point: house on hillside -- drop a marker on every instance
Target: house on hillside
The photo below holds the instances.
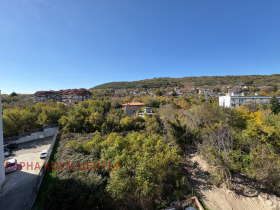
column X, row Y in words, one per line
column 205, row 91
column 236, row 91
column 178, row 95
column 176, row 92
column 130, row 109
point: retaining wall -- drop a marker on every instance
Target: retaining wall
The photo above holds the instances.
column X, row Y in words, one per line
column 37, row 135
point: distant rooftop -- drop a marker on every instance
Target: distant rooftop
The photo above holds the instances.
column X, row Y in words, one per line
column 134, row 104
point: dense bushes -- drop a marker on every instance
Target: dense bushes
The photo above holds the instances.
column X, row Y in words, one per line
column 238, row 141
column 19, row 120
column 149, row 173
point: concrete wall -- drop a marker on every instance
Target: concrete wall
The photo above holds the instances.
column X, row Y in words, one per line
column 2, row 158
column 38, row 135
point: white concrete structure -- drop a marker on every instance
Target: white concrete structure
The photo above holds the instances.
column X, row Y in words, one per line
column 235, row 101
column 147, row 110
column 47, row 132
column 2, row 158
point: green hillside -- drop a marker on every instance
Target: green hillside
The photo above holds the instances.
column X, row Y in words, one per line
column 252, row 80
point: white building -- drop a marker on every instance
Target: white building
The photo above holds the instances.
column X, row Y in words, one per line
column 2, row 158
column 235, row 101
column 147, row 110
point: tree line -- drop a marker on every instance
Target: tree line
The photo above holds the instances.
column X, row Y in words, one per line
column 211, row 81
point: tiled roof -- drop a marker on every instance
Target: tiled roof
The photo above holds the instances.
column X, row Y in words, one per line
column 134, row 104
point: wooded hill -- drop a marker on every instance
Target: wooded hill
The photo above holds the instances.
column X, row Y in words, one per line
column 163, row 82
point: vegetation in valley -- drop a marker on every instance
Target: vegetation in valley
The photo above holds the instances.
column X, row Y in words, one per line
column 150, row 149
column 146, row 173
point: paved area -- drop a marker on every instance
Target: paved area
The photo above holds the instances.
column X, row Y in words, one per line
column 19, row 184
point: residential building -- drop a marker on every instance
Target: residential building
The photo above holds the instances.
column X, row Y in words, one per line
column 205, row 91
column 215, row 95
column 74, row 95
column 235, row 101
column 66, row 96
column 147, row 110
column 177, row 92
column 42, row 96
column 236, row 91
column 178, row 95
column 130, row 109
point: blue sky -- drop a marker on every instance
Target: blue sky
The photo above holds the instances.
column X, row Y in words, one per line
column 59, row 44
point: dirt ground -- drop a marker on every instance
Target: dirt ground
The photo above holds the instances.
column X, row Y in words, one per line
column 243, row 196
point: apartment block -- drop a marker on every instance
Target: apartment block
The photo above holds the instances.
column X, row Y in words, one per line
column 66, row 96
column 235, row 101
